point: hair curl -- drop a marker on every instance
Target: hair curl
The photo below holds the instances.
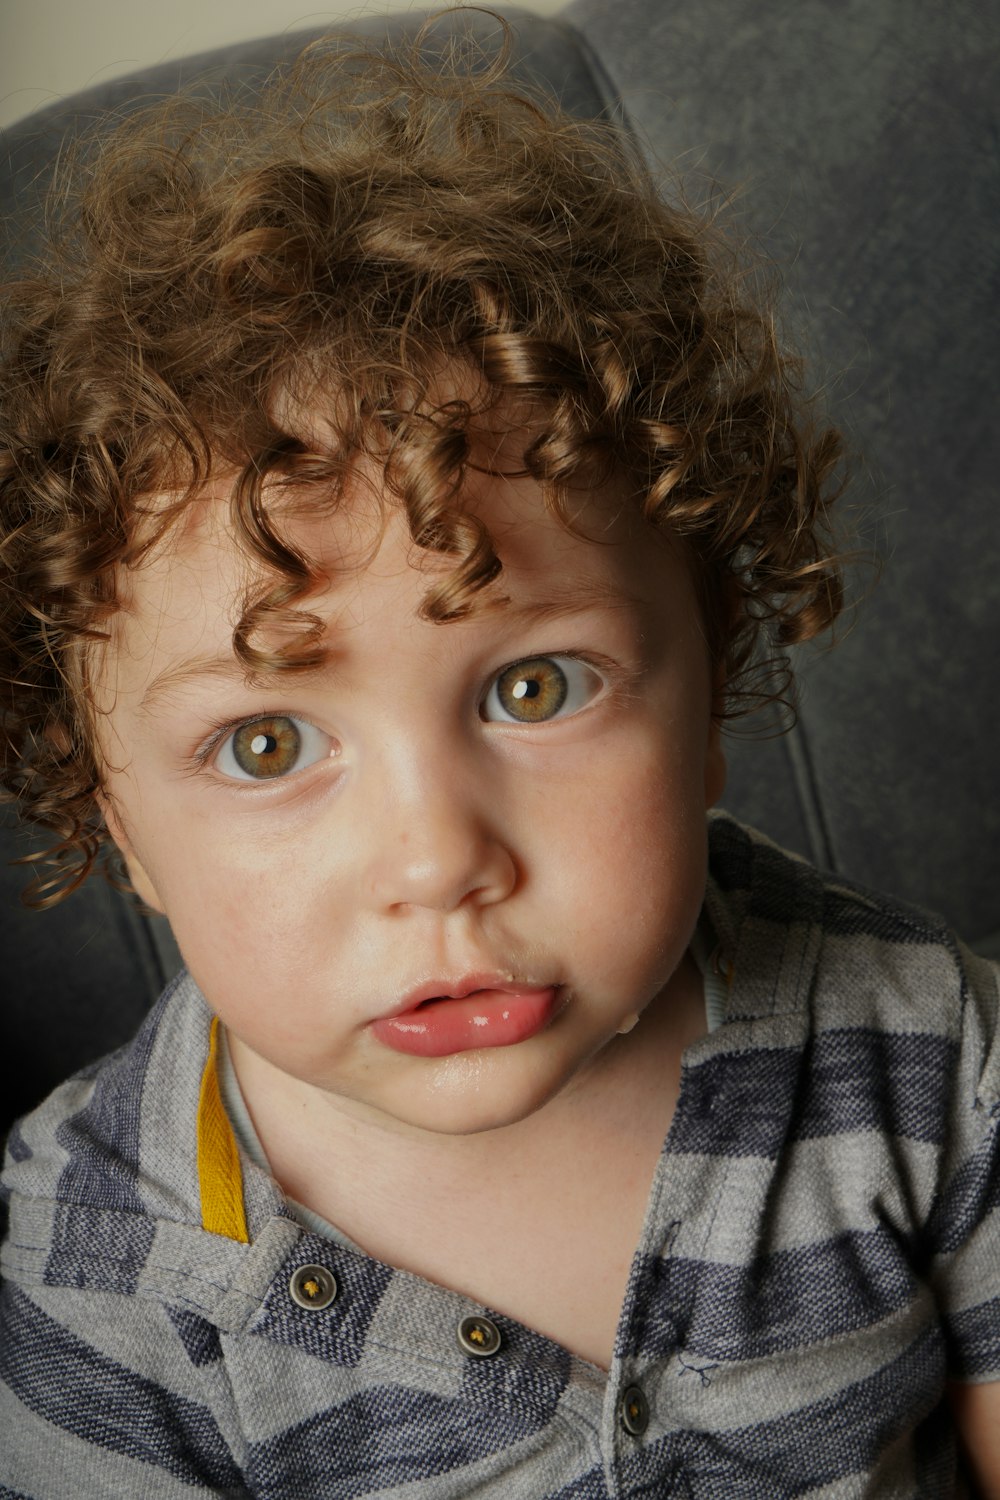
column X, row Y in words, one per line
column 366, row 222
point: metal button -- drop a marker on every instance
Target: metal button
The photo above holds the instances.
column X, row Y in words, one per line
column 313, row 1287
column 634, row 1411
column 479, row 1336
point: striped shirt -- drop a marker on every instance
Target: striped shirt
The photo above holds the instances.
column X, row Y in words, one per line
column 821, row 1253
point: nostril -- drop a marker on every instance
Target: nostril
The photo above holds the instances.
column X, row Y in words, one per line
column 450, row 866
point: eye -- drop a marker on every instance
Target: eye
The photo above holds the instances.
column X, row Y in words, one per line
column 539, row 688
column 273, row 746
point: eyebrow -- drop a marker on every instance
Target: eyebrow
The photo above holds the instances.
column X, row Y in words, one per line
column 596, row 595
column 196, row 669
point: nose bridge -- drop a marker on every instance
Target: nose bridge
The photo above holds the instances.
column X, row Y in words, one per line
column 434, row 840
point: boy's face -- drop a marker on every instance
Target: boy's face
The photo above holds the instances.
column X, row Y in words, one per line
column 418, row 819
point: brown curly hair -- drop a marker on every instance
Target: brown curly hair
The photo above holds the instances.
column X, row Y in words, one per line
column 365, row 222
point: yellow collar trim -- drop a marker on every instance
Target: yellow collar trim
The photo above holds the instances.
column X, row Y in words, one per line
column 220, row 1175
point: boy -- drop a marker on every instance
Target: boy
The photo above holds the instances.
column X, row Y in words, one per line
column 396, row 500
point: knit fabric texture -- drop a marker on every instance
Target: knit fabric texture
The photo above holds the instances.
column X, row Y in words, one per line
column 820, row 1255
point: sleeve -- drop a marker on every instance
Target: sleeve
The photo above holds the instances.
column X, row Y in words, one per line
column 964, row 1222
column 77, row 1419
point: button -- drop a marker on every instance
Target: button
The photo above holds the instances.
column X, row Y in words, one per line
column 634, row 1411
column 313, row 1287
column 479, row 1336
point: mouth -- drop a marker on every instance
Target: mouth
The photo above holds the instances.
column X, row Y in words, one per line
column 477, row 1011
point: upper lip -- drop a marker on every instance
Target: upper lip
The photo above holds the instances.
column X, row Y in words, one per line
column 459, row 989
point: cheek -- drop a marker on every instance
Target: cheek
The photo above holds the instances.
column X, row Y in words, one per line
column 662, row 840
column 251, row 958
column 238, row 914
column 637, row 850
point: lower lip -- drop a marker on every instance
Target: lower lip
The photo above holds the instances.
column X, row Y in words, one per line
column 487, row 1018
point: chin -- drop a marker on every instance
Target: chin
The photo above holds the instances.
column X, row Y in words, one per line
column 467, row 1098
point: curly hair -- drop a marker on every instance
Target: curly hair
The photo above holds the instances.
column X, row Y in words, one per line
column 365, row 222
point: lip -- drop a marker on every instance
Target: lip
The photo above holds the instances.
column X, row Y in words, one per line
column 461, row 988
column 443, row 1017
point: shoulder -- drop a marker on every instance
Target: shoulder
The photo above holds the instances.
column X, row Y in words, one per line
column 111, row 1287
column 870, row 961
column 894, row 1022
column 871, row 1033
column 100, row 1140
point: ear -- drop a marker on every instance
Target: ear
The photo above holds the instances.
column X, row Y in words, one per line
column 141, row 881
column 715, row 764
column 715, row 755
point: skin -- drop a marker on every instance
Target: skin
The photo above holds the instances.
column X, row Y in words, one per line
column 423, row 838
column 976, row 1409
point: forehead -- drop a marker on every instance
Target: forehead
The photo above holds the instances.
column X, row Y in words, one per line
column 183, row 604
column 363, row 537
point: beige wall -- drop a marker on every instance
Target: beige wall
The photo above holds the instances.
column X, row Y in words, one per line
column 49, row 48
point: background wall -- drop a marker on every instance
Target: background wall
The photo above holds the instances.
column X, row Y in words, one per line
column 49, row 48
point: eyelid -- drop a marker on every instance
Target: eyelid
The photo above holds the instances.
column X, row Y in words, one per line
column 577, row 697
column 216, row 735
column 210, row 744
column 209, row 751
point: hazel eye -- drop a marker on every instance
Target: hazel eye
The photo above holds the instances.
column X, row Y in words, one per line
column 539, row 688
column 266, row 748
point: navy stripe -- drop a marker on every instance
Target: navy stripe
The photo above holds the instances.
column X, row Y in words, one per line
column 737, row 1104
column 786, row 1300
column 816, row 1445
column 783, row 890
column 974, row 1340
column 657, row 1480
column 6, row 1494
column 98, row 1250
column 200, row 1338
column 71, row 1385
column 773, row 886
column 731, row 854
column 17, row 1145
column 338, row 1332
column 753, row 1103
column 383, row 1437
column 589, row 1486
column 852, row 911
column 528, row 1377
column 971, row 1196
column 895, row 1083
column 103, row 1138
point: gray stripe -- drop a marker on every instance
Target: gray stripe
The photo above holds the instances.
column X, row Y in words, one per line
column 98, row 1250
column 969, row 1198
column 816, row 1444
column 780, row 1301
column 70, row 1385
column 383, row 1438
column 98, row 1173
column 974, row 1340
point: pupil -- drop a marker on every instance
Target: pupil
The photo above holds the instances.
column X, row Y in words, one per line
column 533, row 690
column 267, row 748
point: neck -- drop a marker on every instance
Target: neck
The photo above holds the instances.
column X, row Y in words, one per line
column 627, row 1090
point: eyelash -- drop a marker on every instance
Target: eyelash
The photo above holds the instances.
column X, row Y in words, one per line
column 522, row 673
column 210, row 748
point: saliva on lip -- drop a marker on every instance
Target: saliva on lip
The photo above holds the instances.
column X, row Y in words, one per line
column 485, row 1017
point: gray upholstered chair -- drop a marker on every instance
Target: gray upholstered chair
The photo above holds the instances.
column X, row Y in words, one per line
column 860, row 144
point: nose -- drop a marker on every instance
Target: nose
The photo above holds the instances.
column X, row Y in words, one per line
column 436, row 846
